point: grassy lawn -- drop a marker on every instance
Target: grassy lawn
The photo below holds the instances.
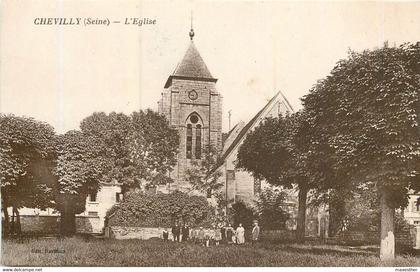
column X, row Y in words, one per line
column 103, row 252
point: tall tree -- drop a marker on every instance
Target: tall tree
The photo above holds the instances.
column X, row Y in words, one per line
column 277, row 152
column 26, row 147
column 153, row 147
column 140, row 149
column 79, row 170
column 366, row 112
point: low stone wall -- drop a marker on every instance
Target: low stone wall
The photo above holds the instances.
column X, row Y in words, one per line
column 121, row 233
column 415, row 234
column 273, row 235
column 407, row 238
column 144, row 233
column 40, row 224
column 88, row 225
column 50, row 224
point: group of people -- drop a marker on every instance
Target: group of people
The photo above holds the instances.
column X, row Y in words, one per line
column 224, row 234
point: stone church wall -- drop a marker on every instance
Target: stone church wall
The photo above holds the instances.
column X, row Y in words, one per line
column 177, row 107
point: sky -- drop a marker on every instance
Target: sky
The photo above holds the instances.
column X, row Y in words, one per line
column 62, row 74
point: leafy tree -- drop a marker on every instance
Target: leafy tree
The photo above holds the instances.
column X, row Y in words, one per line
column 140, row 149
column 361, row 211
column 203, row 174
column 366, row 114
column 79, row 170
column 26, row 147
column 277, row 152
column 270, row 210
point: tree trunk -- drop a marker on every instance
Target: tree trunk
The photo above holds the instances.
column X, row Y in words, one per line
column 387, row 251
column 336, row 216
column 301, row 219
column 12, row 224
column 68, row 220
column 18, row 226
column 6, row 218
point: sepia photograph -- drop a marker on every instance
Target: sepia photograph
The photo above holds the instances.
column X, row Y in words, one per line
column 157, row 133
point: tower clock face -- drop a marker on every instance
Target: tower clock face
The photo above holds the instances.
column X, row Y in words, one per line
column 193, row 95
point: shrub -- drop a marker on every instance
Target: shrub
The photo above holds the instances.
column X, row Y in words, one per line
column 271, row 214
column 160, row 210
column 241, row 213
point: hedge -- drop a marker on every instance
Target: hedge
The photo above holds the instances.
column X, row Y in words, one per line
column 160, row 210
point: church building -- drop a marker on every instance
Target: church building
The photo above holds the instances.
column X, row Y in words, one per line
column 192, row 105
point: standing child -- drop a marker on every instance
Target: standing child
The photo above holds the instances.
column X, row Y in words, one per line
column 165, row 235
column 201, row 236
column 255, row 232
column 217, row 236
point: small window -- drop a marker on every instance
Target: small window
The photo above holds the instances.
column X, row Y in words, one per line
column 92, row 197
column 230, row 175
column 118, row 197
column 93, row 213
column 194, row 119
column 417, row 222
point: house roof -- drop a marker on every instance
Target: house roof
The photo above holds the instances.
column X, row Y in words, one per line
column 227, row 135
column 250, row 124
column 192, row 66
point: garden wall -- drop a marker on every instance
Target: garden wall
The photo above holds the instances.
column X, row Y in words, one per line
column 50, row 225
column 409, row 237
column 273, row 235
column 143, row 233
column 39, row 224
column 416, row 234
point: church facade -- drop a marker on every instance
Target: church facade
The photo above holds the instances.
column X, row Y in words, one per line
column 192, row 105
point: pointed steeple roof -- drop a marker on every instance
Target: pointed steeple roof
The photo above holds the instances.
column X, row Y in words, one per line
column 192, row 66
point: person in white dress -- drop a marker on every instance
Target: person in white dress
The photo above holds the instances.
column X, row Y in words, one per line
column 240, row 235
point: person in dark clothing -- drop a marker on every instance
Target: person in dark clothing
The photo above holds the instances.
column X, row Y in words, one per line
column 229, row 234
column 223, row 232
column 175, row 232
column 185, row 233
column 165, row 235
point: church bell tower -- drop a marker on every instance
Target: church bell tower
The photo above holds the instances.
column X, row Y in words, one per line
column 193, row 106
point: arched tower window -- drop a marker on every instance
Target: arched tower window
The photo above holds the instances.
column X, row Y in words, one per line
column 194, row 136
column 189, row 141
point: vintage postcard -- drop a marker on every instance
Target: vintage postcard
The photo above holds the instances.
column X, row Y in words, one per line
column 141, row 133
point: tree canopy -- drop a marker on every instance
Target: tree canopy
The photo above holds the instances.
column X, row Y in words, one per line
column 365, row 114
column 277, row 151
column 140, row 149
column 26, row 147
